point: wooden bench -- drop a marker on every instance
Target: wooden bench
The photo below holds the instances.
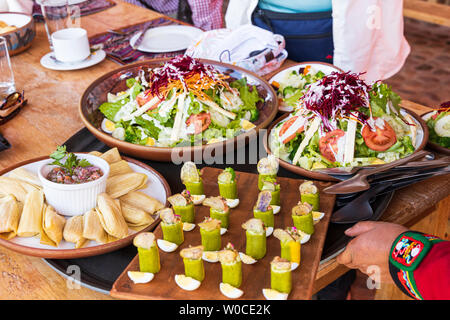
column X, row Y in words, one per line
column 427, row 11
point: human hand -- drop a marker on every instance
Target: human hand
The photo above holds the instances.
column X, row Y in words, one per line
column 370, row 247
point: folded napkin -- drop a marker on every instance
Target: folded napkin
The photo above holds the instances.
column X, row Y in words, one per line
column 24, row 6
column 247, row 46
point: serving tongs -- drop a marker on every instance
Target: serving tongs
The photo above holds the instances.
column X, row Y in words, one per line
column 360, row 209
column 359, row 182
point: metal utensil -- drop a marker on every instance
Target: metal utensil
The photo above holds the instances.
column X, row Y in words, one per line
column 138, row 41
column 358, row 209
column 359, row 181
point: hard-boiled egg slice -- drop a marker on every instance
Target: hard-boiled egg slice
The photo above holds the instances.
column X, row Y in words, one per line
column 229, row 291
column 140, row 277
column 108, row 126
column 197, row 198
column 269, row 231
column 294, row 265
column 188, row 226
column 187, row 283
column 232, row 203
column 317, row 216
column 150, row 142
column 276, row 209
column 247, row 259
column 305, row 237
column 167, row 246
column 271, row 294
column 211, row 256
column 247, row 125
column 223, row 231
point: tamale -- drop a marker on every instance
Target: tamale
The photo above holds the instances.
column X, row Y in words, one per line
column 73, row 231
column 120, row 185
column 142, row 201
column 9, row 217
column 118, row 168
column 27, row 176
column 92, row 228
column 111, row 156
column 95, row 153
column 111, row 217
column 31, row 219
column 135, row 216
column 52, row 227
column 12, row 186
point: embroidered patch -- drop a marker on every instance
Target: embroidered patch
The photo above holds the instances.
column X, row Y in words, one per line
column 405, row 280
column 407, row 250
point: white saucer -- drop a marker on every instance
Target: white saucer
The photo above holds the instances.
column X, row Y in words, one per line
column 49, row 62
column 167, row 38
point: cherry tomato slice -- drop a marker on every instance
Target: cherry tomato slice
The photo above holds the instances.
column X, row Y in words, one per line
column 381, row 139
column 286, row 126
column 201, row 121
column 328, row 144
column 144, row 97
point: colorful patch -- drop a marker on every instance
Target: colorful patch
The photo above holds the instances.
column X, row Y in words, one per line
column 405, row 280
column 407, row 250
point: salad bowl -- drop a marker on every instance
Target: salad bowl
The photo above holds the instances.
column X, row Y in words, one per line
column 421, row 141
column 115, row 82
column 427, row 117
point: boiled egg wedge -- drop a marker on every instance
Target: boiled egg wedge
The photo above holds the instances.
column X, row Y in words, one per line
column 271, row 294
column 187, row 283
column 229, row 291
column 197, row 199
column 140, row 277
column 211, row 256
column 108, row 126
column 232, row 203
column 166, row 246
column 188, row 226
column 247, row 259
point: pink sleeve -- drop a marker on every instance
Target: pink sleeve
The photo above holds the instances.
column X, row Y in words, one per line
column 207, row 14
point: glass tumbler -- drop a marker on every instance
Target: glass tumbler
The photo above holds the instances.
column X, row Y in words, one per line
column 58, row 15
column 7, row 85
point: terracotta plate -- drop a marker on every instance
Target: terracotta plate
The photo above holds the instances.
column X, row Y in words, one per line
column 435, row 146
column 157, row 188
column 421, row 141
column 319, row 66
column 114, row 82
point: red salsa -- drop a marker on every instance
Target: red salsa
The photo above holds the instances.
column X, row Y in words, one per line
column 79, row 175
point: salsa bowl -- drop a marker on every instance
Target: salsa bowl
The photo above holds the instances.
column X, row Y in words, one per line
column 115, row 81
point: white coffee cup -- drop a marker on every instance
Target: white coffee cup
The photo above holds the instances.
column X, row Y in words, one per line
column 70, row 45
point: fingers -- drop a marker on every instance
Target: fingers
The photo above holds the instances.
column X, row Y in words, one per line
column 360, row 227
column 345, row 257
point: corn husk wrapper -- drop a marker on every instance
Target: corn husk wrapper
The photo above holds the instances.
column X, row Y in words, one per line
column 52, row 227
column 13, row 187
column 142, row 201
column 92, row 227
column 112, row 238
column 120, row 185
column 111, row 217
column 118, row 168
column 26, row 176
column 73, row 231
column 31, row 220
column 95, row 153
column 111, row 156
column 9, row 217
column 135, row 216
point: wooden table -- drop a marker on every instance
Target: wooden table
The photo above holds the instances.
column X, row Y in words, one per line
column 51, row 117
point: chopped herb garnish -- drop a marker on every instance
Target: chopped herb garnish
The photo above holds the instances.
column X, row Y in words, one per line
column 71, row 159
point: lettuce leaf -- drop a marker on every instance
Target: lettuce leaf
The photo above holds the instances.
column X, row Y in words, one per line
column 110, row 109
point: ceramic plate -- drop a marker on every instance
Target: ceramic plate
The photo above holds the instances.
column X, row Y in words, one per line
column 157, row 187
column 433, row 145
column 166, row 38
column 48, row 61
column 318, row 66
column 421, row 141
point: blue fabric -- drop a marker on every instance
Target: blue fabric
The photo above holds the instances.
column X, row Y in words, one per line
column 309, row 36
column 295, row 6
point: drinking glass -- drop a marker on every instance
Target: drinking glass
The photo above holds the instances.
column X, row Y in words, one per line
column 7, row 85
column 59, row 14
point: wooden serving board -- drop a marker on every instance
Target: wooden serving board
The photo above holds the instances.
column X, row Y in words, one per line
column 255, row 276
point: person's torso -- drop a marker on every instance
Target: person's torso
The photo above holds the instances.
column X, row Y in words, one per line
column 295, row 6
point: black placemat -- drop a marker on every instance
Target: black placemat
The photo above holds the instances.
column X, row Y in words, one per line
column 100, row 272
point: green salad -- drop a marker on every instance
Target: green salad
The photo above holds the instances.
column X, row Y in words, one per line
column 341, row 122
column 438, row 123
column 293, row 85
column 182, row 103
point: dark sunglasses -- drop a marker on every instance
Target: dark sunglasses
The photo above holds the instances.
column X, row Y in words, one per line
column 11, row 105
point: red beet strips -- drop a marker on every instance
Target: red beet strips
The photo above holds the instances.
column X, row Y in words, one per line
column 338, row 95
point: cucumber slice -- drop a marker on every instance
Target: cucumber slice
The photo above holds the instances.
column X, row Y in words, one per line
column 219, row 119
